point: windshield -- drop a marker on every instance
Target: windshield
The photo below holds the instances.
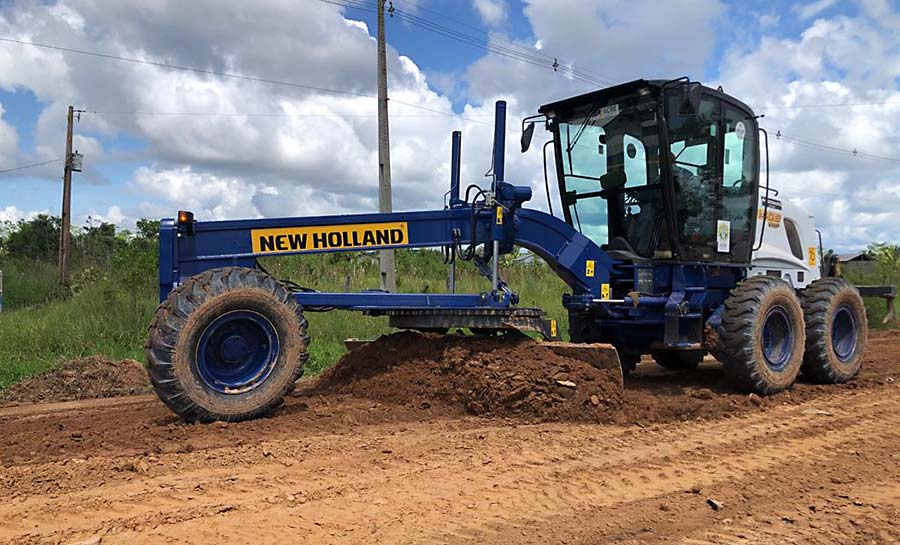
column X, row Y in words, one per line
column 610, row 167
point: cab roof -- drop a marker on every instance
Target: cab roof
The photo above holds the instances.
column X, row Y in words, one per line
column 624, row 89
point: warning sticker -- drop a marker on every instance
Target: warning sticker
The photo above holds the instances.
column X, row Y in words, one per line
column 739, row 130
column 329, row 237
column 604, row 291
column 811, row 256
column 607, row 111
column 723, row 236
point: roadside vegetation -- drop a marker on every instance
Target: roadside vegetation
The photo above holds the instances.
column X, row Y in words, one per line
column 112, row 293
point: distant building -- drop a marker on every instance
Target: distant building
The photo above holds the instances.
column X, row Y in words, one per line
column 857, row 262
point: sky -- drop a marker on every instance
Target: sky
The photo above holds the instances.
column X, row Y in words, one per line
column 825, row 73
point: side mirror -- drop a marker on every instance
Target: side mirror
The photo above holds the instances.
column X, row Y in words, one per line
column 527, row 135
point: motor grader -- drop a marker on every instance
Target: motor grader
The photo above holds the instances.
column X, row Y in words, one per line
column 668, row 241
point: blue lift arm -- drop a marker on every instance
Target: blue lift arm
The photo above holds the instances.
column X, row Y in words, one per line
column 187, row 249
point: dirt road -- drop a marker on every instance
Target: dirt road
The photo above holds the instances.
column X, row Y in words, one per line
column 682, row 461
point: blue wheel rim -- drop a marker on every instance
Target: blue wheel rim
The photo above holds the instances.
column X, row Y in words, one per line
column 844, row 333
column 237, row 352
column 777, row 338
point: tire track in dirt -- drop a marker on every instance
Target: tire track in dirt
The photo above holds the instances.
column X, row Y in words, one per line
column 441, row 477
column 817, row 464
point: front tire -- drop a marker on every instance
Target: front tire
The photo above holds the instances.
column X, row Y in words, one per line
column 228, row 344
column 762, row 336
column 836, row 331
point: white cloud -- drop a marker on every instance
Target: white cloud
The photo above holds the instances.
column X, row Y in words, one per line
column 768, row 20
column 9, row 142
column 112, row 215
column 839, row 60
column 811, row 9
column 492, row 12
column 12, row 214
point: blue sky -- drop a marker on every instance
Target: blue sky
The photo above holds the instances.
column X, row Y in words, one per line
column 775, row 55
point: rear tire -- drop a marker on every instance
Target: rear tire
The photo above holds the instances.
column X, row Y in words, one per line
column 836, row 331
column 679, row 360
column 228, row 344
column 762, row 336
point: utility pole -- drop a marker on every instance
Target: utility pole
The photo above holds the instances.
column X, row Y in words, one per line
column 66, row 222
column 388, row 267
column 66, row 219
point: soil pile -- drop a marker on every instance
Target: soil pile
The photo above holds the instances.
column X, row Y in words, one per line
column 83, row 378
column 454, row 374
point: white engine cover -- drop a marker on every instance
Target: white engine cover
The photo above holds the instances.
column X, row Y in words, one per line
column 790, row 243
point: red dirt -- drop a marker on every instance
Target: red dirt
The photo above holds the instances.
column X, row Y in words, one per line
column 816, row 465
column 453, row 375
column 84, row 378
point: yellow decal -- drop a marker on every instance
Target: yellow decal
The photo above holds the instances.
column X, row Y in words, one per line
column 553, row 328
column 329, row 237
column 812, row 256
column 589, row 268
column 499, row 215
column 772, row 218
column 604, row 291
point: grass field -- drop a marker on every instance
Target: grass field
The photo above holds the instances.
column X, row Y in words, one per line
column 103, row 315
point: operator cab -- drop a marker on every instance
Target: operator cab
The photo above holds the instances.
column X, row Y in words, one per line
column 661, row 170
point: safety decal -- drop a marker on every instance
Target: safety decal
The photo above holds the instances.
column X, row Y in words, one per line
column 812, row 256
column 589, row 268
column 499, row 215
column 329, row 237
column 723, row 236
column 739, row 130
column 553, row 328
column 604, row 291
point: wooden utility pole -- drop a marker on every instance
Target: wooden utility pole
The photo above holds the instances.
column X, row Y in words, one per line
column 388, row 268
column 66, row 220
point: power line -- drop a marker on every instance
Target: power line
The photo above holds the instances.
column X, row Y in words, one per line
column 183, row 68
column 832, row 105
column 519, row 54
column 485, row 44
column 33, row 165
column 601, row 77
column 827, row 148
column 258, row 114
column 232, row 75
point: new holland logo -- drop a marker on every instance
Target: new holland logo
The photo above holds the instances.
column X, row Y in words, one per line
column 329, row 237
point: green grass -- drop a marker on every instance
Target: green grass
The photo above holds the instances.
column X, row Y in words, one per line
column 98, row 320
column 27, row 283
column 38, row 332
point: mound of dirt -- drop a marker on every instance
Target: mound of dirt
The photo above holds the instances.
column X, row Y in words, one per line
column 83, row 378
column 511, row 376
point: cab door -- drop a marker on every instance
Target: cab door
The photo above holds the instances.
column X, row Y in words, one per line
column 713, row 158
